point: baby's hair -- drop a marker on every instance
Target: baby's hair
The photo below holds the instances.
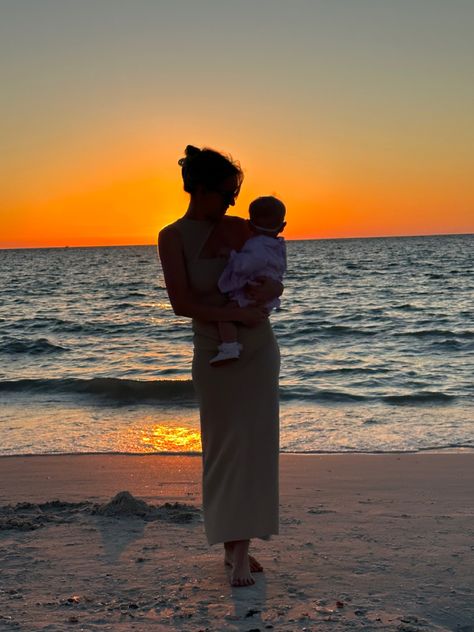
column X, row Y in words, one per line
column 268, row 209
column 208, row 168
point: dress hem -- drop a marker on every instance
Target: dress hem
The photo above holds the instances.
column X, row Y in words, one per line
column 240, row 537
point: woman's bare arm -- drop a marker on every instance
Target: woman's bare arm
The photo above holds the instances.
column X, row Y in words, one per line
column 181, row 297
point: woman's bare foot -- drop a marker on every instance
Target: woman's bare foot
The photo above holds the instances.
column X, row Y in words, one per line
column 237, row 557
column 255, row 566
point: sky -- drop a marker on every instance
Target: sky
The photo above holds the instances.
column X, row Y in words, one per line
column 357, row 114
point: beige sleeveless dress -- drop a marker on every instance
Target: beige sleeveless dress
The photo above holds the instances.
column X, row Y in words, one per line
column 239, row 411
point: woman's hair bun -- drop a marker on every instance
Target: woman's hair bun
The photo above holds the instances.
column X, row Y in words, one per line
column 190, row 152
column 208, row 168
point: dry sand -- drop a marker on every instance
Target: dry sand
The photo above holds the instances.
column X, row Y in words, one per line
column 367, row 542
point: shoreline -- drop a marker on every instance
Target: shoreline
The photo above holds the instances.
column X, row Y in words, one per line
column 438, row 450
column 367, row 542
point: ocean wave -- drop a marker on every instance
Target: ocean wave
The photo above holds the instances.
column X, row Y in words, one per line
column 61, row 326
column 304, row 374
column 131, row 391
column 450, row 345
column 181, row 392
column 322, row 395
column 302, row 333
column 126, row 305
column 137, row 294
column 409, row 307
column 343, row 330
column 95, row 328
column 34, row 346
column 427, row 333
column 422, row 397
column 140, row 390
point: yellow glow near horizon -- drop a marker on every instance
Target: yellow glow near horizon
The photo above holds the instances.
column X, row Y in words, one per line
column 130, row 208
column 357, row 115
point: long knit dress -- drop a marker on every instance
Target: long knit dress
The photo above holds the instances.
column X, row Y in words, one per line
column 239, row 410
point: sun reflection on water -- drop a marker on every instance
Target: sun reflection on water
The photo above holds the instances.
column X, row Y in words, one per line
column 163, row 438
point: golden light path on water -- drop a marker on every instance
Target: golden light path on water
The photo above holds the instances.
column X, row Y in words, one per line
column 164, row 438
column 173, row 435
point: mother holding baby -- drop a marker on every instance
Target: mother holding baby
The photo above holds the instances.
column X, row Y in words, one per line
column 238, row 401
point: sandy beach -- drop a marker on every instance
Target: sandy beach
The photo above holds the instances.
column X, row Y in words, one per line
column 367, row 542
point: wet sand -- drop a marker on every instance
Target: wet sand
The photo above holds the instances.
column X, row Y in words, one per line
column 367, row 542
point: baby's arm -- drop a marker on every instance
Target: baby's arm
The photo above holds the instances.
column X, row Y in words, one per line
column 243, row 267
column 268, row 287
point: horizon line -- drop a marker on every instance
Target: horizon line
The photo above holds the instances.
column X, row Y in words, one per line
column 138, row 245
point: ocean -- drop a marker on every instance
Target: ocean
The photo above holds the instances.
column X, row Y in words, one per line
column 376, row 337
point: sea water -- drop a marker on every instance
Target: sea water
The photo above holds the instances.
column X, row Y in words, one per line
column 376, row 337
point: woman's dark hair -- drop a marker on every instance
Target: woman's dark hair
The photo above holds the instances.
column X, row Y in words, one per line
column 208, row 168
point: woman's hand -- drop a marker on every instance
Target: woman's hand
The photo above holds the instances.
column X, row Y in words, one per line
column 266, row 290
column 251, row 316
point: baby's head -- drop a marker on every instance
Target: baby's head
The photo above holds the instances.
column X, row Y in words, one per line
column 267, row 215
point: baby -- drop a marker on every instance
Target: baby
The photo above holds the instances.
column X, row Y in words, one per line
column 264, row 254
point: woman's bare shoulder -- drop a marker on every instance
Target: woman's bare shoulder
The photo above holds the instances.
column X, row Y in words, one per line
column 237, row 230
column 170, row 229
column 169, row 236
column 234, row 219
column 236, row 224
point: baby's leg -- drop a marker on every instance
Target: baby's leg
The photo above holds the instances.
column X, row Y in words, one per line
column 227, row 331
column 229, row 347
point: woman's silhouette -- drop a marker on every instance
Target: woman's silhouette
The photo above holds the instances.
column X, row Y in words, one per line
column 238, row 402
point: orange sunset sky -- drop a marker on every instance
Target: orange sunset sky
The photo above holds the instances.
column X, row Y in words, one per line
column 358, row 115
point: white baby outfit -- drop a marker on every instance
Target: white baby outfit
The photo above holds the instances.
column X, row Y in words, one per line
column 261, row 256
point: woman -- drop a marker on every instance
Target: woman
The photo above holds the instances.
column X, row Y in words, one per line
column 238, row 402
